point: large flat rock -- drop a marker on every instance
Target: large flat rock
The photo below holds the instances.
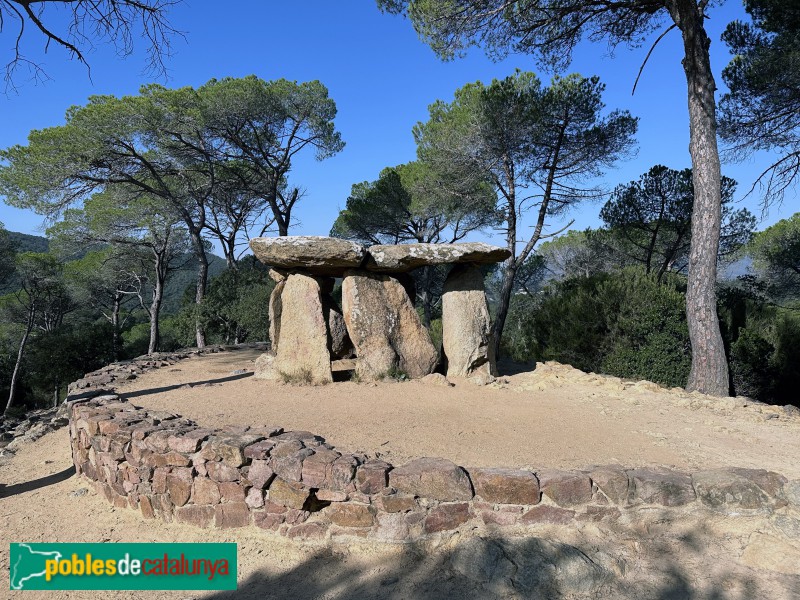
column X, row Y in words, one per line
column 314, row 254
column 404, row 257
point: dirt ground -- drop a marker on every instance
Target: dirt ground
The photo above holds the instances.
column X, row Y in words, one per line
column 553, row 417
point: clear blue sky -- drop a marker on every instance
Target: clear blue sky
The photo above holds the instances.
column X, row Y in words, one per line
column 382, row 79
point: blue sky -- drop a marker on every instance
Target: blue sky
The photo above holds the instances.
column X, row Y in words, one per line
column 382, row 79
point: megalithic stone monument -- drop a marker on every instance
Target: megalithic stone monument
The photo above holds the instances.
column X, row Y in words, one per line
column 377, row 323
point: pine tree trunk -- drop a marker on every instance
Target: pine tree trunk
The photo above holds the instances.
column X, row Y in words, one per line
column 709, row 371
column 155, row 310
column 509, row 273
column 17, row 365
column 115, row 309
column 202, row 282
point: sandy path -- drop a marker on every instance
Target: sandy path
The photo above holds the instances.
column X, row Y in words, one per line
column 552, row 417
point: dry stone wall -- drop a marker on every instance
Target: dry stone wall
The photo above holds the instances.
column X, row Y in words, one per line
column 296, row 484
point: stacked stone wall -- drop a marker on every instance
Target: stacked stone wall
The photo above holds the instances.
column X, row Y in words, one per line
column 296, row 484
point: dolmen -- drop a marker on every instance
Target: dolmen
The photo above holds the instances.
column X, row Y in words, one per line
column 377, row 331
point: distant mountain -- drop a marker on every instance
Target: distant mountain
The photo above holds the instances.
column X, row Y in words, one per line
column 174, row 291
column 183, row 282
column 23, row 242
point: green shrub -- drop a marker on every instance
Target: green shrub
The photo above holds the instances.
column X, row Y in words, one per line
column 751, row 365
column 765, row 357
column 648, row 337
column 624, row 323
column 519, row 342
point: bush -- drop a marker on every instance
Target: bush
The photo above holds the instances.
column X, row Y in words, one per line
column 648, row 334
column 765, row 358
column 519, row 342
column 624, row 323
column 751, row 365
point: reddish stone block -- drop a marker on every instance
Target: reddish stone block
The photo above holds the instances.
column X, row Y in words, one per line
column 205, row 491
column 612, row 483
column 317, row 467
column 163, row 506
column 269, row 521
column 235, row 514
column 434, row 478
column 199, row 516
column 506, row 486
column 661, row 486
column 343, row 470
column 308, row 531
column 231, row 448
column 446, row 517
column 231, row 492
column 372, row 476
column 172, row 458
column 548, row 514
column 331, row 496
column 260, row 474
column 179, row 485
column 496, row 517
column 293, row 495
column 160, row 480
column 188, row 442
column 566, row 488
column 771, row 482
column 158, row 441
column 146, row 506
column 290, row 467
column 254, row 498
column 294, row 516
column 272, row 507
column 222, row 472
column 351, row 515
column 259, row 450
column 396, row 503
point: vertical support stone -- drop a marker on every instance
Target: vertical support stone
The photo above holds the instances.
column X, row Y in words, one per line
column 384, row 327
column 339, row 342
column 305, row 355
column 466, row 326
column 275, row 310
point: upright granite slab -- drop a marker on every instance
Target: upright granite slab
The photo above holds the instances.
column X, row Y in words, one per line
column 303, row 354
column 384, row 327
column 466, row 325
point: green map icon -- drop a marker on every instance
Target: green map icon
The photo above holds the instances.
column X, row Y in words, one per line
column 28, row 564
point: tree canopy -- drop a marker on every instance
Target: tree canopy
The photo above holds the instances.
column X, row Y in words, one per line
column 118, row 22
column 649, row 221
column 550, row 30
column 538, row 146
column 414, row 203
column 776, row 254
column 216, row 156
column 761, row 111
